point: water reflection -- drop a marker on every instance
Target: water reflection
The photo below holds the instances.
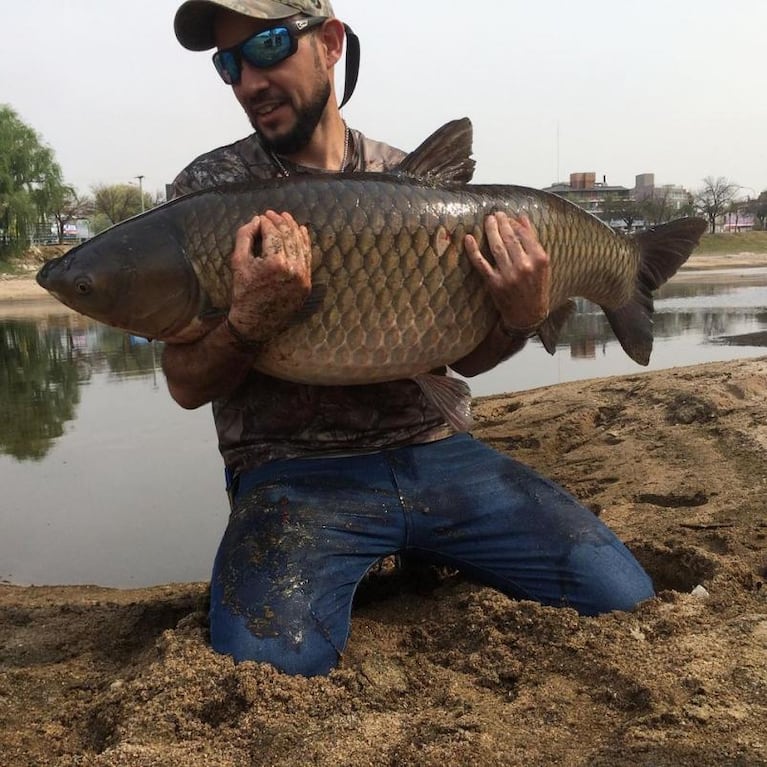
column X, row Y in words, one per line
column 699, row 317
column 39, row 389
column 589, row 329
column 118, row 486
column 709, row 311
column 43, row 366
column 745, row 339
column 105, row 480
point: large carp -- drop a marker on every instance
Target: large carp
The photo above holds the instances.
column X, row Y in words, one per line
column 394, row 295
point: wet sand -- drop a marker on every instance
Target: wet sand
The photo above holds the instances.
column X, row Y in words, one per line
column 441, row 671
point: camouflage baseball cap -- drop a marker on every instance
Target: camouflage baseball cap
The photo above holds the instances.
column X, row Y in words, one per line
column 194, row 19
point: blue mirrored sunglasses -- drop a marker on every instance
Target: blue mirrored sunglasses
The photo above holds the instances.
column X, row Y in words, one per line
column 264, row 49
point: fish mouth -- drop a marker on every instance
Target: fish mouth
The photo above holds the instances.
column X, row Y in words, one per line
column 50, row 277
column 43, row 276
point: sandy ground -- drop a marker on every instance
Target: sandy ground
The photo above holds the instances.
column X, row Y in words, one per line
column 444, row 672
column 734, row 261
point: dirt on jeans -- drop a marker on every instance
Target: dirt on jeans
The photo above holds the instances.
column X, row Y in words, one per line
column 446, row 672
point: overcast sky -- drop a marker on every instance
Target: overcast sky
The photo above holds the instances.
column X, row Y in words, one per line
column 618, row 87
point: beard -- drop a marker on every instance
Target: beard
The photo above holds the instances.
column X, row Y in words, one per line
column 307, row 119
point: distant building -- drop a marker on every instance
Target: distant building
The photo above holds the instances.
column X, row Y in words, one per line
column 675, row 197
column 47, row 233
column 737, row 220
column 586, row 192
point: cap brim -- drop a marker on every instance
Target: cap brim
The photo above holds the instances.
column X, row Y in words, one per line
column 193, row 23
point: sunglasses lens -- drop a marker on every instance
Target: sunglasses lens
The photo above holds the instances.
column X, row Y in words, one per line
column 262, row 50
column 227, row 66
column 268, row 48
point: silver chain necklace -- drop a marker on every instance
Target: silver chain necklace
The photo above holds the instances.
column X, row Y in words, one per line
column 347, row 143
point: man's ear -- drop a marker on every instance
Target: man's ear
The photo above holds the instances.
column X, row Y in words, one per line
column 332, row 37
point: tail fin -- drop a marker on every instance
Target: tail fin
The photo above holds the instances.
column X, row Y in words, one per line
column 663, row 250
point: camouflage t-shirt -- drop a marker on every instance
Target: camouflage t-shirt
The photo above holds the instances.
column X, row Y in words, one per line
column 265, row 418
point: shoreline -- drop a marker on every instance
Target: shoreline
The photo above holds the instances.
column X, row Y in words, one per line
column 23, row 287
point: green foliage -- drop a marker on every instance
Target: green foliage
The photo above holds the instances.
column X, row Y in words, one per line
column 728, row 243
column 30, row 182
column 113, row 203
column 618, row 208
column 8, row 267
column 38, row 389
column 659, row 209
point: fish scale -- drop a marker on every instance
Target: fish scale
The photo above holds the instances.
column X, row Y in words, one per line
column 390, row 255
column 384, row 293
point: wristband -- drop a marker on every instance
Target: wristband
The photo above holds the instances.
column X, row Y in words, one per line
column 241, row 341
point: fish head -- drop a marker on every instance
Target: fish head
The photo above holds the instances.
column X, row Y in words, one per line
column 134, row 276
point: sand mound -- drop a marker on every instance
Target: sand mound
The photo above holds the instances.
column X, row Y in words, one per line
column 443, row 672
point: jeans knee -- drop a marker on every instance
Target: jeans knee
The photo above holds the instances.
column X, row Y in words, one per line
column 300, row 652
column 612, row 580
column 626, row 592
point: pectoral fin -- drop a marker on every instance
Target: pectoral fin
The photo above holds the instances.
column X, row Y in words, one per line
column 451, row 396
column 551, row 328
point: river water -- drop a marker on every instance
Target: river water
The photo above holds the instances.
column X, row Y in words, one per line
column 105, row 480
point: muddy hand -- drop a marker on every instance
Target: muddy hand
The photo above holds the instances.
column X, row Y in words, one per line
column 519, row 280
column 269, row 289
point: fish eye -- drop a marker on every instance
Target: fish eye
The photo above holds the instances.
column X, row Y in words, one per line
column 83, row 286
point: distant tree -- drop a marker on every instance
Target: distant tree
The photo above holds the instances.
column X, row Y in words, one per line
column 30, row 179
column 660, row 208
column 113, row 203
column 69, row 207
column 758, row 208
column 714, row 198
column 615, row 208
column 737, row 211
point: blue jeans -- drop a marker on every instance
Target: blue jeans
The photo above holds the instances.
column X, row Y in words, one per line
column 304, row 532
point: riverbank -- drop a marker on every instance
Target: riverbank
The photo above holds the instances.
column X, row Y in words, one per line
column 22, row 287
column 449, row 672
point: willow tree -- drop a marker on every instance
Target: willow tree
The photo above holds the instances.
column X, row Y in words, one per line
column 30, row 181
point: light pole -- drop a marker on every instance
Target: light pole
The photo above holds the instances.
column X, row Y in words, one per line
column 141, row 190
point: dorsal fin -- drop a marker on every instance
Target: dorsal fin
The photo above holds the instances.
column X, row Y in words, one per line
column 445, row 157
